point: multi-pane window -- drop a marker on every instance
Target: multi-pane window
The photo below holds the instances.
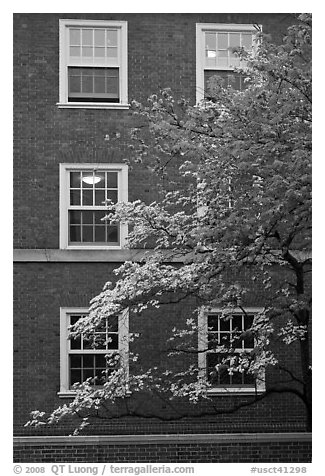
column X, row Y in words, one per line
column 91, row 357
column 86, row 195
column 93, row 63
column 228, row 332
column 223, row 342
column 216, row 54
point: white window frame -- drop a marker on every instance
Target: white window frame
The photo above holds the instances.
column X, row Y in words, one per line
column 121, row 63
column 123, row 345
column 201, row 29
column 122, row 170
column 203, row 351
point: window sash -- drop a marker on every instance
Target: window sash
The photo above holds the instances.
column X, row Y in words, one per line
column 87, row 362
column 82, row 207
column 93, row 83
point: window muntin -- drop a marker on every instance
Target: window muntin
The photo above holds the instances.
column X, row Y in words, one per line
column 222, row 340
column 92, row 357
column 93, row 63
column 215, row 56
column 86, row 193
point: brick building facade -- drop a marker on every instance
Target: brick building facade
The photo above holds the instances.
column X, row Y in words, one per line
column 74, row 76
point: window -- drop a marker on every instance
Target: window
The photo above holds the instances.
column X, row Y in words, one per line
column 215, row 54
column 83, row 192
column 217, row 364
column 93, row 63
column 94, row 357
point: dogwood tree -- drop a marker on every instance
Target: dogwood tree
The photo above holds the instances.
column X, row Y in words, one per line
column 234, row 177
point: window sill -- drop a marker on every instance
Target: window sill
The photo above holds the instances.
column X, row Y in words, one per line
column 235, row 391
column 72, row 394
column 92, row 105
column 66, row 394
column 81, row 248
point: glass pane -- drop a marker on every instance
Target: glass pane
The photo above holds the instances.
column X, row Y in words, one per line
column 75, row 233
column 87, row 51
column 247, row 40
column 87, row 83
column 75, row 343
column 237, row 322
column 112, row 195
column 224, row 377
column 248, row 320
column 75, row 179
column 112, row 85
column 87, row 217
column 99, row 340
column 100, row 197
column 224, row 338
column 112, row 234
column 75, row 376
column 87, row 233
column 99, row 37
column 213, row 340
column 74, row 84
column 75, row 51
column 210, row 41
column 223, row 62
column 249, row 379
column 237, row 379
column 87, row 197
column 111, row 37
column 234, row 80
column 75, row 361
column 111, row 179
column 98, row 216
column 87, row 37
column 234, row 40
column 100, row 233
column 88, row 373
column 213, row 323
column 74, row 319
column 99, row 84
column 74, row 217
column 223, row 54
column 87, row 179
column 100, row 179
column 99, row 52
column 222, row 41
column 88, row 361
column 74, row 197
column 112, row 341
column 224, row 324
column 74, row 36
column 249, row 341
column 112, row 52
column 112, row 324
column 100, row 361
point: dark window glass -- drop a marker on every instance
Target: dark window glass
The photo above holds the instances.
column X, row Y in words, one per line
column 93, row 84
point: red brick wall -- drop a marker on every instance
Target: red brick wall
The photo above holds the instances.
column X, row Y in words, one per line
column 42, row 288
column 267, row 452
column 161, row 53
